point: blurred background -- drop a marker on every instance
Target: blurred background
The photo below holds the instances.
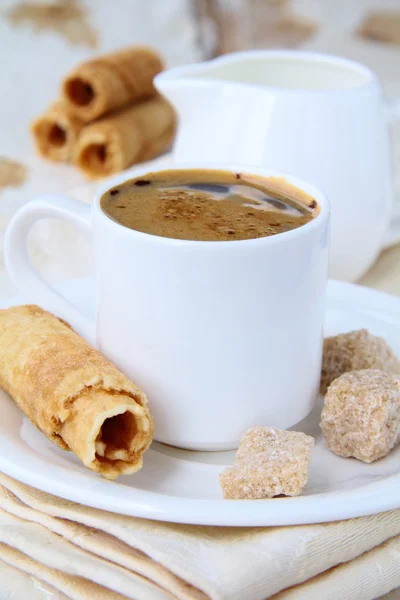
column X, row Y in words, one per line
column 42, row 39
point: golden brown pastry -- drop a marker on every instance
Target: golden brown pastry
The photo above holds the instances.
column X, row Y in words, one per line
column 56, row 132
column 105, row 84
column 76, row 397
column 129, row 136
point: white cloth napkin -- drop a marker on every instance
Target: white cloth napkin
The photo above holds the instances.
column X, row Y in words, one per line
column 87, row 553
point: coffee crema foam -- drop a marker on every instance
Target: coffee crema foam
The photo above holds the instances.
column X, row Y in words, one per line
column 208, row 205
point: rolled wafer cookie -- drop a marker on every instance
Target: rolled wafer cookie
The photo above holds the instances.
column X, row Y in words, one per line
column 105, row 84
column 129, row 136
column 56, row 132
column 69, row 391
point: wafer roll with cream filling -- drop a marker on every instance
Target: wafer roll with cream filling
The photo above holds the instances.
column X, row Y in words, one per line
column 105, row 84
column 69, row 391
column 132, row 135
column 56, row 132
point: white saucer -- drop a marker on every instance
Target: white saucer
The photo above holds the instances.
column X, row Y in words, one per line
column 182, row 486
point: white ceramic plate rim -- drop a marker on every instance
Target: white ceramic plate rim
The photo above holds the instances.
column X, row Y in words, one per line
column 34, row 469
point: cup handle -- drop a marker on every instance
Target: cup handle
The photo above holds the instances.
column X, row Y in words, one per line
column 18, row 264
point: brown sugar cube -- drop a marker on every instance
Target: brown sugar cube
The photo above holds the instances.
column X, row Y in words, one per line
column 361, row 414
column 355, row 351
column 269, row 462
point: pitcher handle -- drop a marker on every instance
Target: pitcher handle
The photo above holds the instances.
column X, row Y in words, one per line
column 392, row 236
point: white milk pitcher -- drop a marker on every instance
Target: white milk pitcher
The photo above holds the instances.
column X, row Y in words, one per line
column 318, row 117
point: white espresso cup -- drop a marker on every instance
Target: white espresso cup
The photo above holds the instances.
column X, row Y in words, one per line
column 221, row 335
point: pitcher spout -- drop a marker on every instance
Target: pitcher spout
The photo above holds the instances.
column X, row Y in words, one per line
column 211, row 103
column 181, row 90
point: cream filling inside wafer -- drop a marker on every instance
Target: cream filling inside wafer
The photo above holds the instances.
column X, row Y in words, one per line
column 113, row 436
column 116, row 431
column 94, row 157
column 56, row 135
column 79, row 91
column 51, row 134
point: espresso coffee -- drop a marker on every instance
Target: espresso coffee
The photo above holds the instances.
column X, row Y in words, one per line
column 208, row 205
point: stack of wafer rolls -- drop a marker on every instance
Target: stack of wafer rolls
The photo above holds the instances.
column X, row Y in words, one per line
column 109, row 115
column 71, row 393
